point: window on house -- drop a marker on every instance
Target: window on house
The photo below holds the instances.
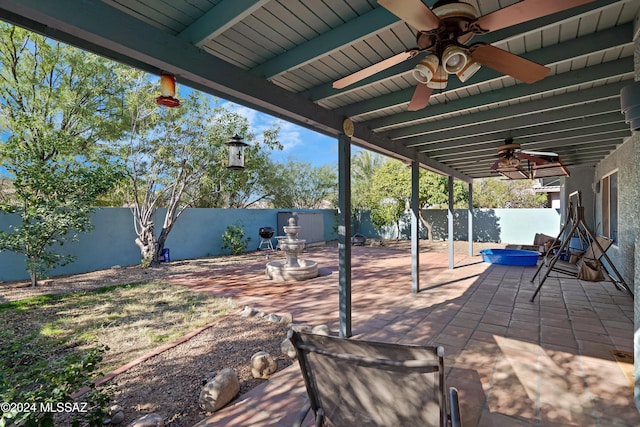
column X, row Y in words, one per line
column 610, row 206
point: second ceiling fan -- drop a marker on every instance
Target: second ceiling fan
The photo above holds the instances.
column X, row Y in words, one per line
column 515, row 163
column 443, row 32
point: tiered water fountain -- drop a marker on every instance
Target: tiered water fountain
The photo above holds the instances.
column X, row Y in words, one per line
column 293, row 268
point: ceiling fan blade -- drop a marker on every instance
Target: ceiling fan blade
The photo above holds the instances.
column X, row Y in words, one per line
column 533, row 159
column 413, row 12
column 508, row 147
column 540, row 153
column 420, row 97
column 523, row 11
column 508, row 63
column 516, row 173
column 550, row 170
column 372, row 69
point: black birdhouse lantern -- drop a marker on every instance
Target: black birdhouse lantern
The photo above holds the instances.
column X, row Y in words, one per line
column 236, row 153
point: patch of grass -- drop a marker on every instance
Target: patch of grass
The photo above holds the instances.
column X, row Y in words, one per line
column 51, row 346
column 51, row 330
column 129, row 319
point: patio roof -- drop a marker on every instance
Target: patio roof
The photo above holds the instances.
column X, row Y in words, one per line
column 281, row 57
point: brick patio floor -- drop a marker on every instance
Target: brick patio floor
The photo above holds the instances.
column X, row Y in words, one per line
column 515, row 363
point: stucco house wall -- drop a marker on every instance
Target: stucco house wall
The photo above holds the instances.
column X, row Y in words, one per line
column 623, row 160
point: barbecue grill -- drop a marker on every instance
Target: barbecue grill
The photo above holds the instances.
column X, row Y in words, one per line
column 266, row 233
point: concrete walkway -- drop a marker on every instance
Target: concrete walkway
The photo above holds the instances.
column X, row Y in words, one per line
column 515, row 363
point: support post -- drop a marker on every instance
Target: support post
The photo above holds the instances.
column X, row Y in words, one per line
column 450, row 223
column 415, row 227
column 344, row 234
column 470, row 219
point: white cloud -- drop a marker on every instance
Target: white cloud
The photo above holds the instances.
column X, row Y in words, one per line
column 289, row 136
column 251, row 115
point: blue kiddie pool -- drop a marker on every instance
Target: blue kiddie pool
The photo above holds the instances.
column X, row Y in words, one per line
column 510, row 257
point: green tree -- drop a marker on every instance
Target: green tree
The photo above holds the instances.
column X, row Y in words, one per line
column 390, row 194
column 507, row 193
column 224, row 188
column 302, row 185
column 56, row 103
column 434, row 193
column 7, row 191
column 173, row 156
column 363, row 166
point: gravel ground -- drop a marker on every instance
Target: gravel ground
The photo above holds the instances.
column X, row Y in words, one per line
column 169, row 384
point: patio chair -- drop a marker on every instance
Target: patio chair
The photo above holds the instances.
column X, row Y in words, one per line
column 364, row 383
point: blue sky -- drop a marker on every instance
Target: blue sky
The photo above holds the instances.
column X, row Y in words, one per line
column 300, row 144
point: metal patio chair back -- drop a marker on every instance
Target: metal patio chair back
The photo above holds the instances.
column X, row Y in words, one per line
column 353, row 382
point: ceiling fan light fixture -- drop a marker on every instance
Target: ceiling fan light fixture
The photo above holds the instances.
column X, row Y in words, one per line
column 470, row 68
column 426, row 69
column 454, row 59
column 503, row 163
column 439, row 79
column 454, row 9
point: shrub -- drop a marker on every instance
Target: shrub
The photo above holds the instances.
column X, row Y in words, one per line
column 233, row 239
column 34, row 383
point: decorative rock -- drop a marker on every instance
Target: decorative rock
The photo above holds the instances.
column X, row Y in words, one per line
column 149, row 420
column 208, row 377
column 248, row 312
column 273, row 318
column 114, row 415
column 287, row 349
column 117, row 418
column 287, row 318
column 301, row 328
column 263, row 365
column 321, row 330
column 217, row 393
column 114, row 409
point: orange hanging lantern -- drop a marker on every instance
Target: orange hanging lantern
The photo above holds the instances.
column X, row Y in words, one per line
column 168, row 91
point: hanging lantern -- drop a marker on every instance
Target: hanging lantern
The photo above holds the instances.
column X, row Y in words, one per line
column 236, row 153
column 167, row 96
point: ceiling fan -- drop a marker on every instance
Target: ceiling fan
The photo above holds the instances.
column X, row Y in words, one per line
column 442, row 32
column 515, row 163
